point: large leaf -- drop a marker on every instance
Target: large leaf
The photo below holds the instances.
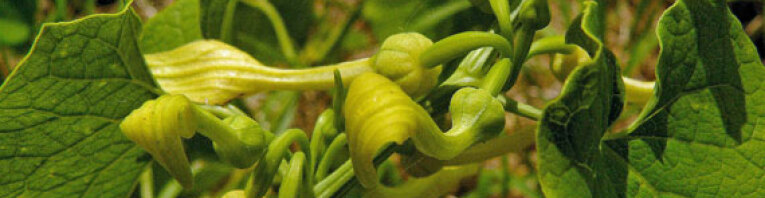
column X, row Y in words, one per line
column 700, row 134
column 60, row 110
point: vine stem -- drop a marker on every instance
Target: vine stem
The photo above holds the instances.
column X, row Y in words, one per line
column 147, row 183
column 228, row 21
column 511, row 143
column 352, row 182
column 637, row 92
column 285, row 42
column 522, row 109
column 501, row 9
column 173, row 188
column 460, row 44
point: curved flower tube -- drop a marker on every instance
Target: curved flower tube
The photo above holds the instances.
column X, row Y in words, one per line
column 213, row 72
column 379, row 113
column 158, row 126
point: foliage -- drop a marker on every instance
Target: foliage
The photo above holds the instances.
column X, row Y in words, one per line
column 97, row 100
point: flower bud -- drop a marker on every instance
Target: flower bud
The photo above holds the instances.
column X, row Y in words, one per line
column 399, row 60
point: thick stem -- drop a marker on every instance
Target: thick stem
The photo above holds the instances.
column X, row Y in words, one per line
column 637, row 92
column 522, row 42
column 496, row 77
column 522, row 109
column 147, row 183
column 550, row 45
column 211, row 127
column 512, row 143
column 222, row 111
column 173, row 188
column 501, row 9
column 320, row 131
column 334, row 182
column 460, row 44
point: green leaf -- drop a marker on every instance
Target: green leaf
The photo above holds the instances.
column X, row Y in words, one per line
column 60, row 110
column 571, row 163
column 173, row 27
column 699, row 136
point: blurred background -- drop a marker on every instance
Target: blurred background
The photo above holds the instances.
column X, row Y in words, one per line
column 329, row 31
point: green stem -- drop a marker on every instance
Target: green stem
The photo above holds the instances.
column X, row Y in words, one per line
column 331, row 156
column 460, row 44
column 512, row 143
column 292, row 180
column 501, row 10
column 637, row 92
column 338, row 100
column 147, row 183
column 522, row 43
column 334, row 182
column 266, row 169
column 550, row 45
column 228, row 21
column 522, row 109
column 324, row 123
column 211, row 127
column 285, row 42
column 222, row 111
column 353, row 181
column 172, row 189
column 496, row 77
